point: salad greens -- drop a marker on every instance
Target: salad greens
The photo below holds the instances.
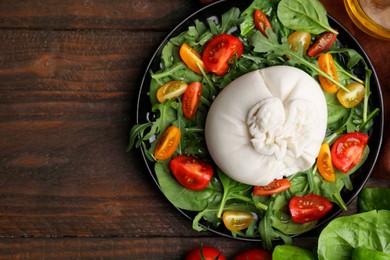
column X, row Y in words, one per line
column 273, row 220
column 374, row 198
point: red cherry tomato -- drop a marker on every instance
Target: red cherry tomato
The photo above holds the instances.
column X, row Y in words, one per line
column 348, row 150
column 191, row 172
column 276, row 186
column 308, row 208
column 322, row 43
column 205, row 253
column 261, row 22
column 254, row 254
column 167, row 143
column 327, row 65
column 191, row 99
column 219, row 51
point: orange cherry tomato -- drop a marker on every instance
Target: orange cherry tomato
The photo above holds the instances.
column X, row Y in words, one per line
column 218, row 52
column 324, row 163
column 191, row 58
column 308, row 208
column 167, row 143
column 353, row 97
column 191, row 99
column 261, row 22
column 191, row 172
column 347, row 150
column 326, row 64
column 275, row 186
column 235, row 220
column 171, row 90
column 296, row 38
column 322, row 43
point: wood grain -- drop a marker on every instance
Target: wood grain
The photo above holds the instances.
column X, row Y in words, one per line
column 69, row 79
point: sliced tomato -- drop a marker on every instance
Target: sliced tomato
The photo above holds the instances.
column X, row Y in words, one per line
column 276, row 186
column 254, row 254
column 235, row 220
column 322, row 43
column 191, row 172
column 167, row 143
column 353, row 97
column 191, row 99
column 219, row 51
column 171, row 90
column 347, row 150
column 308, row 208
column 297, row 38
column 261, row 22
column 324, row 163
column 327, row 65
column 191, row 58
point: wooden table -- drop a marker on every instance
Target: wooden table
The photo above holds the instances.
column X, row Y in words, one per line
column 69, row 77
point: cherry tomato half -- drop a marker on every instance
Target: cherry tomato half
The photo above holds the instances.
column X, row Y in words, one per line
column 254, row 254
column 297, row 38
column 191, row 99
column 218, row 52
column 326, row 64
column 353, row 97
column 205, row 253
column 235, row 220
column 171, row 90
column 191, row 58
column 324, row 163
column 167, row 143
column 276, row 186
column 191, row 172
column 322, row 43
column 261, row 22
column 347, row 150
column 308, row 208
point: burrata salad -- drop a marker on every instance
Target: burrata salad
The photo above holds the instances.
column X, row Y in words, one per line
column 258, row 118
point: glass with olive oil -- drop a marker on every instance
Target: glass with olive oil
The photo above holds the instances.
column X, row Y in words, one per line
column 371, row 16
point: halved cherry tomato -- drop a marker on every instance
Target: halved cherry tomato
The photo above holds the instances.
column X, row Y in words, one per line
column 218, row 52
column 326, row 64
column 322, row 43
column 171, row 90
column 205, row 253
column 308, row 208
column 235, row 220
column 254, row 254
column 191, row 58
column 167, row 143
column 261, row 22
column 191, row 172
column 324, row 163
column 191, row 99
column 347, row 150
column 353, row 97
column 275, row 186
column 297, row 38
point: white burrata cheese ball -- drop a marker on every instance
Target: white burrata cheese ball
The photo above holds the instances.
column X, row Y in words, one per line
column 267, row 124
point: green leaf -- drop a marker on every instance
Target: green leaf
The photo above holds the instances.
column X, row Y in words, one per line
column 374, row 198
column 304, row 15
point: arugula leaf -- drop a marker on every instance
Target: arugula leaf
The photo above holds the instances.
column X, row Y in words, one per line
column 304, row 15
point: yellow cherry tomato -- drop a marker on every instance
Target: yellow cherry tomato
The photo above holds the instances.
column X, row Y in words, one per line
column 235, row 220
column 191, row 58
column 324, row 163
column 167, row 143
column 299, row 37
column 327, row 65
column 171, row 90
column 353, row 97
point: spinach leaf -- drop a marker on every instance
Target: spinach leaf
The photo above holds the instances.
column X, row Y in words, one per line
column 342, row 235
column 374, row 198
column 182, row 197
column 285, row 252
column 304, row 15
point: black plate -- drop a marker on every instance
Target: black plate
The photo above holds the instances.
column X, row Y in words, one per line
column 216, row 9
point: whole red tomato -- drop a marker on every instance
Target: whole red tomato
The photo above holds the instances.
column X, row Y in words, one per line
column 206, row 253
column 254, row 254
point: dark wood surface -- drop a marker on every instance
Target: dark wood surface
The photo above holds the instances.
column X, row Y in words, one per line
column 69, row 78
